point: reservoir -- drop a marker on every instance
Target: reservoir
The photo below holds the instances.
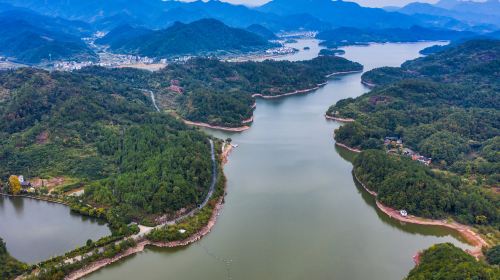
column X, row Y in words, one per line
column 36, row 230
column 293, row 209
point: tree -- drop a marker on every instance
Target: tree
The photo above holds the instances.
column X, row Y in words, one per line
column 493, row 255
column 15, row 185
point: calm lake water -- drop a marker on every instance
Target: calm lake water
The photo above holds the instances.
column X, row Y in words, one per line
column 293, row 210
column 37, row 230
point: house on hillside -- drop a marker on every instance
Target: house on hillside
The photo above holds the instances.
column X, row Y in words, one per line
column 394, row 141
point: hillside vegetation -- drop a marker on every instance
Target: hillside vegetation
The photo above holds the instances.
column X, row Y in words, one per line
column 29, row 38
column 444, row 106
column 220, row 93
column 107, row 136
column 405, row 184
column 203, row 37
column 447, row 262
column 351, row 36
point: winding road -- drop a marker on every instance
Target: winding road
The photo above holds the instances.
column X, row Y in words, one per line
column 144, row 230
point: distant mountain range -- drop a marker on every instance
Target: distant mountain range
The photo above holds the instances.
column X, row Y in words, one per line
column 348, row 35
column 469, row 12
column 340, row 13
column 29, row 38
column 276, row 15
column 51, row 29
column 206, row 36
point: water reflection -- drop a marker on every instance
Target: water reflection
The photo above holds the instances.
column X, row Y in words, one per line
column 36, row 230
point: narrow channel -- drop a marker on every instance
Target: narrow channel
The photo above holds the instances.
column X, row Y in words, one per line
column 293, row 210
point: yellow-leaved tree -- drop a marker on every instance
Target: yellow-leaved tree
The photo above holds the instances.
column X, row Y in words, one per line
column 14, row 184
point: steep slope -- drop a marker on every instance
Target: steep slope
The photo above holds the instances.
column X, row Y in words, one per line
column 122, row 35
column 104, row 134
column 444, row 106
column 30, row 38
column 340, row 13
column 158, row 14
column 262, row 31
column 473, row 13
column 201, row 37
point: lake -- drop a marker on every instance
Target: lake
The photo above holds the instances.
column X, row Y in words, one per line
column 293, row 209
column 36, row 230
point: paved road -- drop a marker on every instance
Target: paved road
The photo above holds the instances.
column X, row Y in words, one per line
column 144, row 230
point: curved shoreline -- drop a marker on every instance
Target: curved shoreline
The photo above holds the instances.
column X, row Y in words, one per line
column 343, row 72
column 141, row 245
column 465, row 231
column 342, row 120
column 93, row 267
column 35, row 198
column 368, row 84
column 348, row 148
column 303, row 91
column 223, row 128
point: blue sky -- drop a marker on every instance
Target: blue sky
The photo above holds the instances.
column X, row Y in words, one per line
column 368, row 3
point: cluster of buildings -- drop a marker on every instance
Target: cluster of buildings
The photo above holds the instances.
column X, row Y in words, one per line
column 281, row 51
column 299, row 34
column 395, row 145
column 25, row 185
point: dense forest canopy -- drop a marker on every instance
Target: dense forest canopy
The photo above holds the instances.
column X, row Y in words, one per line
column 445, row 106
column 447, row 262
column 402, row 183
column 104, row 134
column 206, row 36
column 30, row 38
column 220, row 93
column 343, row 36
column 99, row 127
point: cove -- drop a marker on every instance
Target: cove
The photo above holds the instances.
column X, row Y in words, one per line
column 36, row 230
column 293, row 209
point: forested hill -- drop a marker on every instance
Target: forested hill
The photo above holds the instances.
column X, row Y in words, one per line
column 447, row 262
column 445, row 107
column 29, row 38
column 203, row 37
column 220, row 93
column 104, row 135
column 475, row 61
column 351, row 36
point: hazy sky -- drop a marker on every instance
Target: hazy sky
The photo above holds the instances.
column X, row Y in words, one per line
column 368, row 3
